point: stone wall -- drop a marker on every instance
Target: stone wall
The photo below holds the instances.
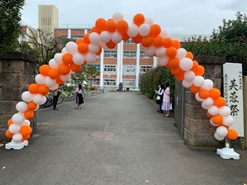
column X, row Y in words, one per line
column 16, row 74
column 198, row 132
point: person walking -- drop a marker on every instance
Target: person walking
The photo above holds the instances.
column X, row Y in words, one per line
column 159, row 98
column 166, row 101
column 79, row 96
column 56, row 94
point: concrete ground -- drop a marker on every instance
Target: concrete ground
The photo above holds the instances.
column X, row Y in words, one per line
column 115, row 139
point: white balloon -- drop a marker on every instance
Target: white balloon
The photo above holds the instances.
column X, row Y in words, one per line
column 71, row 47
column 186, row 64
column 53, row 64
column 50, row 82
column 228, row 120
column 198, row 81
column 21, row 106
column 117, row 16
column 25, row 122
column 198, row 97
column 150, row 50
column 17, row 137
column 219, row 138
column 205, row 107
column 65, row 77
column 160, row 52
column 14, row 128
column 133, row 30
column 186, row 83
column 58, row 58
column 90, row 57
column 208, row 102
column 54, row 87
column 181, row 53
column 93, row 48
column 224, row 111
column 64, row 50
column 78, row 59
column 103, row 45
column 105, row 36
column 213, row 110
column 189, row 75
column 208, row 84
column 221, row 131
column 40, row 79
column 27, row 96
column 39, row 99
column 163, row 33
column 162, row 61
column 116, row 37
column 94, row 38
column 144, row 29
column 18, row 118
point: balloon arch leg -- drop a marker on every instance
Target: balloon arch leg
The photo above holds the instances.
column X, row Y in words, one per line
column 106, row 34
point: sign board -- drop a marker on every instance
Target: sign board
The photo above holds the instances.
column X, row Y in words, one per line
column 233, row 93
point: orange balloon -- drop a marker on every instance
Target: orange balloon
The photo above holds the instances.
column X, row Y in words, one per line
column 209, row 115
column 220, row 102
column 44, row 69
column 154, row 30
column 8, row 134
column 173, row 63
column 232, row 134
column 189, row 55
column 83, row 48
column 180, row 76
column 100, row 24
column 111, row 26
column 94, row 29
column 137, row 39
column 29, row 114
column 125, row 36
column 167, row 42
column 99, row 52
column 53, row 73
column 43, row 90
column 214, row 93
column 138, row 19
column 10, row 122
column 217, row 119
column 175, row 71
column 59, row 81
column 25, row 137
column 194, row 89
column 86, row 38
column 203, row 93
column 75, row 68
column 122, row 26
column 79, row 41
column 158, row 41
column 176, row 44
column 195, row 65
column 171, row 52
column 63, row 69
column 147, row 41
column 25, row 130
column 67, row 58
column 31, row 105
column 110, row 44
column 33, row 88
column 199, row 71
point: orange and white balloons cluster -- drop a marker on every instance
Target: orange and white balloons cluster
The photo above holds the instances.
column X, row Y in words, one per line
column 107, row 34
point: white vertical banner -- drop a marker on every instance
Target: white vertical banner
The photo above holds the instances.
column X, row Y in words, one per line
column 233, row 93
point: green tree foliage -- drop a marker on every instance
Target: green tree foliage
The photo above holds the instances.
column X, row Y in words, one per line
column 151, row 79
column 229, row 41
column 10, row 17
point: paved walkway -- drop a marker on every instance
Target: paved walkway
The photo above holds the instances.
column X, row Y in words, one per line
column 115, row 139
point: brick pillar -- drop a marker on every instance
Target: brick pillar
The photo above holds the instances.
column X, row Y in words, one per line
column 17, row 71
column 198, row 132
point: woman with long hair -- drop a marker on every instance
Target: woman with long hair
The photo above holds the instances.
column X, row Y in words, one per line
column 79, row 97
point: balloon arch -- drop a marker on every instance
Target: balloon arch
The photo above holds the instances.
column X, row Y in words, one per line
column 107, row 34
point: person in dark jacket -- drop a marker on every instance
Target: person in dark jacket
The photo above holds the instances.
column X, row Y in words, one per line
column 79, row 96
column 56, row 94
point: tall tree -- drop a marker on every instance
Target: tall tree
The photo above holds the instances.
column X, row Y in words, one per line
column 10, row 17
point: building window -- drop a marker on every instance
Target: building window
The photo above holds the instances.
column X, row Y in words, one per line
column 97, row 67
column 129, row 83
column 129, row 54
column 129, row 69
column 110, row 82
column 130, row 41
column 75, row 37
column 110, row 54
column 144, row 55
column 96, row 82
column 110, row 68
column 144, row 69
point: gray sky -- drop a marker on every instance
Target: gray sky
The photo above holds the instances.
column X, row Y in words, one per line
column 174, row 16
